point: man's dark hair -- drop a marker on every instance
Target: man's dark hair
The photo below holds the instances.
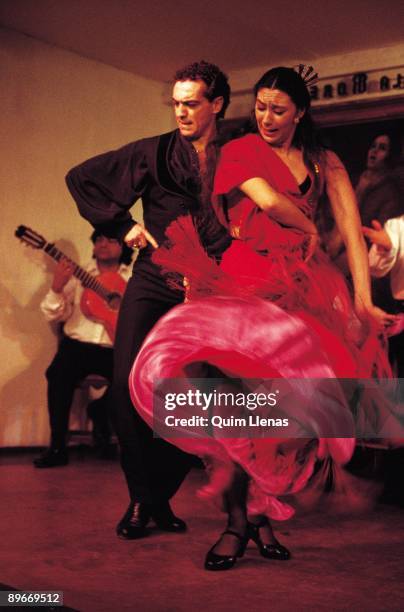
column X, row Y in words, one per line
column 127, row 252
column 215, row 80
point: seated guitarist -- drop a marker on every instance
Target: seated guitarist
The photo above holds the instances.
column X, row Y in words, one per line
column 86, row 347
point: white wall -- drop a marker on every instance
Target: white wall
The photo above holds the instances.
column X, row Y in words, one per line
column 57, row 110
column 242, row 81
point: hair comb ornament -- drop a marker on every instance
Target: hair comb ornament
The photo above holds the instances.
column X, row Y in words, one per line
column 307, row 74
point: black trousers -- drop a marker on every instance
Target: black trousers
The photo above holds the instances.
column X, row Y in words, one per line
column 73, row 361
column 154, row 469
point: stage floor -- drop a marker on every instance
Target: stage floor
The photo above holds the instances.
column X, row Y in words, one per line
column 57, row 533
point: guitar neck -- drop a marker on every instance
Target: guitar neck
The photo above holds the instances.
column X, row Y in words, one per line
column 86, row 279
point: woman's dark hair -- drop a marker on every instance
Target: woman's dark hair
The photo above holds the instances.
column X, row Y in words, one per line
column 127, row 252
column 291, row 83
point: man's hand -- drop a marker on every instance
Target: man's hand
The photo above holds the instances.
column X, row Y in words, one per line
column 378, row 236
column 62, row 274
column 138, row 237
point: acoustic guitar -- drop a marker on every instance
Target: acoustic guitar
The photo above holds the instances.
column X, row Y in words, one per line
column 102, row 294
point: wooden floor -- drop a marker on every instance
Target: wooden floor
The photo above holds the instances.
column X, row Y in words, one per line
column 57, row 532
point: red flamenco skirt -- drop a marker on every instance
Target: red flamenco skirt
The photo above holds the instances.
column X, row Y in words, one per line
column 248, row 338
column 256, row 317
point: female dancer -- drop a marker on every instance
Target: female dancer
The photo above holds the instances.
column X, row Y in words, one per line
column 268, row 185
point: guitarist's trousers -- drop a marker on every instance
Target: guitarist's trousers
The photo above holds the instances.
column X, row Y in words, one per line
column 73, row 361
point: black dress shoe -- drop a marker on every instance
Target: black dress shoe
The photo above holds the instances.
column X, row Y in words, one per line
column 166, row 520
column 275, row 550
column 52, row 457
column 134, row 522
column 219, row 563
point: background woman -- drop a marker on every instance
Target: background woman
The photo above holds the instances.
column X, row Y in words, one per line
column 378, row 192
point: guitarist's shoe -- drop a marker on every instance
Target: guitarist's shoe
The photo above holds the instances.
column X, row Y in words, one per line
column 52, row 457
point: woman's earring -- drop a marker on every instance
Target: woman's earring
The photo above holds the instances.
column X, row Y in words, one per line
column 296, row 119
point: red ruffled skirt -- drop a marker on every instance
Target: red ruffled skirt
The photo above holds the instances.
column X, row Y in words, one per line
column 257, row 317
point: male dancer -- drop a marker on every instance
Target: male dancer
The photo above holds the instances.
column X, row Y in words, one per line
column 173, row 175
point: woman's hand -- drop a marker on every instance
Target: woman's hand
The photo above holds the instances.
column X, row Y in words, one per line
column 138, row 237
column 310, row 246
column 372, row 313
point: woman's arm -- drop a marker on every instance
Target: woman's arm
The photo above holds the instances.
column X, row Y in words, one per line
column 346, row 214
column 277, row 206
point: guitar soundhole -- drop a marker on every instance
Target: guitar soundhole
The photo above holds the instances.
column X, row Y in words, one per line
column 114, row 301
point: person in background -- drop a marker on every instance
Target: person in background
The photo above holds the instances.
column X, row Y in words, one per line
column 386, row 258
column 85, row 347
column 379, row 197
column 377, row 190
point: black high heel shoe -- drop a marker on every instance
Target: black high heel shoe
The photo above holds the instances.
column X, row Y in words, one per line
column 269, row 551
column 217, row 563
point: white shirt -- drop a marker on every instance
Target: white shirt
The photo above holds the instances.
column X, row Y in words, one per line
column 65, row 307
column 383, row 262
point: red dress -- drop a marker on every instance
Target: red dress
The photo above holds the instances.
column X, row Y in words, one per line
column 263, row 313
